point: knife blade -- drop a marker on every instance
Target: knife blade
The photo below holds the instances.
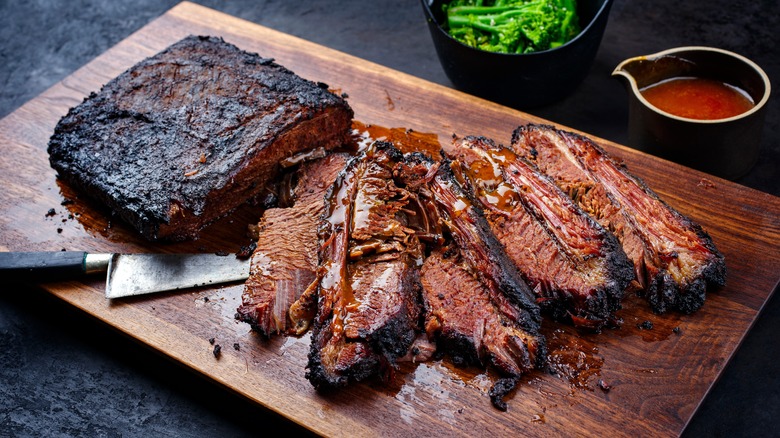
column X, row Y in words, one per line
column 126, row 274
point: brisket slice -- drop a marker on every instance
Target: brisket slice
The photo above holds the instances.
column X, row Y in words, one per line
column 467, row 322
column 576, row 268
column 368, row 296
column 468, row 228
column 477, row 307
column 674, row 259
column 184, row 137
column 284, row 262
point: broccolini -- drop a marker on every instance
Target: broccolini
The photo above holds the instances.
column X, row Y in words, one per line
column 512, row 26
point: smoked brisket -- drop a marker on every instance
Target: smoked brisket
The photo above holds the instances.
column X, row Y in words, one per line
column 369, row 289
column 472, row 325
column 279, row 296
column 675, row 260
column 184, row 137
column 576, row 268
column 478, row 310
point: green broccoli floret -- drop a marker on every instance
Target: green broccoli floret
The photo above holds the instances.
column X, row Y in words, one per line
column 512, row 26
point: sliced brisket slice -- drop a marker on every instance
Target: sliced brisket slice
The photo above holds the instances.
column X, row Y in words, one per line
column 477, row 307
column 576, row 268
column 368, row 295
column 674, row 259
column 473, row 325
column 465, row 221
column 279, row 294
column 184, row 137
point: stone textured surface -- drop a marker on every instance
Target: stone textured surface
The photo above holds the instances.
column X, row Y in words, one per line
column 64, row 374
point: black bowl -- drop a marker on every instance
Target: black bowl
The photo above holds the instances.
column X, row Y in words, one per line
column 526, row 80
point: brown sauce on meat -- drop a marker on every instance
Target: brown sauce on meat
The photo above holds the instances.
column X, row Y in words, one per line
column 487, row 173
column 405, row 139
column 339, row 215
column 503, row 197
column 361, row 212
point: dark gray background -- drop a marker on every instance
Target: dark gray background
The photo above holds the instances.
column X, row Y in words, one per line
column 64, row 374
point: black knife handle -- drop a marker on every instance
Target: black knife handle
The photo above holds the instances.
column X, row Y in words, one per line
column 42, row 266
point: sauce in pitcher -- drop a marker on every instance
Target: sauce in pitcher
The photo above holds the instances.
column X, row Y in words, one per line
column 698, row 98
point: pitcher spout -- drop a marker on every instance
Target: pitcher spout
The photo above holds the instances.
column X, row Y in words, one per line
column 625, row 71
column 642, row 71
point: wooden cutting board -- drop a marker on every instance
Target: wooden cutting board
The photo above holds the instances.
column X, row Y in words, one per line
column 656, row 377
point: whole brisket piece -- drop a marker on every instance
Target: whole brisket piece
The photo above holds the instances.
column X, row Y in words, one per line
column 674, row 259
column 279, row 296
column 184, row 137
column 576, row 268
column 368, row 295
column 477, row 307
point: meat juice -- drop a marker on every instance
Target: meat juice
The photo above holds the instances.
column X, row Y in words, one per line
column 405, row 139
column 698, row 98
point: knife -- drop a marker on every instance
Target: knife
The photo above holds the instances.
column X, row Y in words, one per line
column 126, row 274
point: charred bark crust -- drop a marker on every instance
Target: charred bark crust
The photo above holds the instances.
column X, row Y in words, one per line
column 184, row 137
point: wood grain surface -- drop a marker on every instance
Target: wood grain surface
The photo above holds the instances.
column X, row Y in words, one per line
column 656, row 377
